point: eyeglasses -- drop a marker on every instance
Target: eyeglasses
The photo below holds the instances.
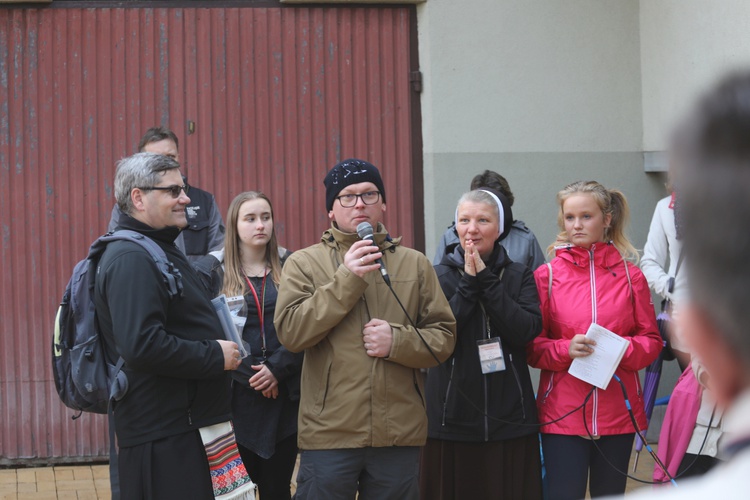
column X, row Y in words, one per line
column 174, row 190
column 368, row 198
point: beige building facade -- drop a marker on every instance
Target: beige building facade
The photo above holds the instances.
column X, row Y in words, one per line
column 553, row 91
column 548, row 92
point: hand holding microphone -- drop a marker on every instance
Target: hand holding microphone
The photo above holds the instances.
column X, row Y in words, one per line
column 364, row 230
column 360, row 259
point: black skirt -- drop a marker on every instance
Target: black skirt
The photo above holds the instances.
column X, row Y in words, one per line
column 456, row 470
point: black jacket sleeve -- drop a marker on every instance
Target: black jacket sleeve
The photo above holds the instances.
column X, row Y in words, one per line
column 139, row 308
column 511, row 303
column 284, row 363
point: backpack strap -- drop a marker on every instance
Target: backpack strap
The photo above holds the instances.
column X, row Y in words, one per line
column 172, row 275
column 118, row 385
column 172, row 278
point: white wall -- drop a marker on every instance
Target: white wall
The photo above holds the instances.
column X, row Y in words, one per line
column 532, row 76
column 550, row 91
column 543, row 92
column 685, row 46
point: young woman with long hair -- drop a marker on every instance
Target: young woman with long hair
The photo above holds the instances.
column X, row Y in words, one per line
column 265, row 391
column 590, row 281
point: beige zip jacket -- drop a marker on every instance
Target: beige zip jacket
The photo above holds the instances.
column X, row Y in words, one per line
column 349, row 399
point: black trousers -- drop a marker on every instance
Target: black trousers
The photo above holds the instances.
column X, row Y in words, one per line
column 696, row 465
column 273, row 475
column 572, row 461
column 114, row 472
column 385, row 473
column 173, row 467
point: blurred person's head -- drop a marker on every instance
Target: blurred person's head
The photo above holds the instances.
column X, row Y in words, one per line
column 160, row 140
column 714, row 180
column 494, row 181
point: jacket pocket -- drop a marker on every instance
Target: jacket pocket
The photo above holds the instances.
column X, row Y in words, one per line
column 638, row 389
column 322, row 392
column 550, row 386
column 196, row 237
column 517, row 379
column 464, row 398
column 419, row 387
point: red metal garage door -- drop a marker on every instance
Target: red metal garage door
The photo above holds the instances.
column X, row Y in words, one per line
column 261, row 98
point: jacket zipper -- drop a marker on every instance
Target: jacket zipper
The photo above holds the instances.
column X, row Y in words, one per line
column 592, row 283
column 448, row 390
column 486, row 421
column 518, row 383
column 484, row 380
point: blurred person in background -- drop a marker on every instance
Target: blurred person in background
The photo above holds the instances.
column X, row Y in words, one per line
column 714, row 177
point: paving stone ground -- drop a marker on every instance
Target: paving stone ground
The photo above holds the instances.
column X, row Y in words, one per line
column 91, row 482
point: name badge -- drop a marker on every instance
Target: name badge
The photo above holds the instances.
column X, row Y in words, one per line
column 491, row 355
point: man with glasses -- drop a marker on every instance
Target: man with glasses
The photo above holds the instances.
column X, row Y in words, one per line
column 175, row 357
column 205, row 229
column 203, row 233
column 362, row 414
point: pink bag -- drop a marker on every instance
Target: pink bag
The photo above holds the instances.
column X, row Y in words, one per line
column 679, row 423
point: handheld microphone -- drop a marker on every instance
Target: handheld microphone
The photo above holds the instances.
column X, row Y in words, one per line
column 364, row 231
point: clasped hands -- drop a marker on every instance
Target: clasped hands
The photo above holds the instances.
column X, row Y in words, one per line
column 473, row 263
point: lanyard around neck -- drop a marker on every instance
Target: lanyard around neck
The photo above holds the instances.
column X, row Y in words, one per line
column 260, row 304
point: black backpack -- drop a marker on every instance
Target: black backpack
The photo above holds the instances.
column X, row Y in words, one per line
column 84, row 379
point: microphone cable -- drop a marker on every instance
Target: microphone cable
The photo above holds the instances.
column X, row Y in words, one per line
column 657, row 461
column 581, row 407
column 462, row 393
column 640, row 434
column 703, row 443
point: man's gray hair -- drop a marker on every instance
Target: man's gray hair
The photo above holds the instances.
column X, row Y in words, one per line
column 142, row 170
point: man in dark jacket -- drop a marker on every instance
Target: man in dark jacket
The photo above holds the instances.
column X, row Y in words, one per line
column 175, row 359
column 205, row 229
